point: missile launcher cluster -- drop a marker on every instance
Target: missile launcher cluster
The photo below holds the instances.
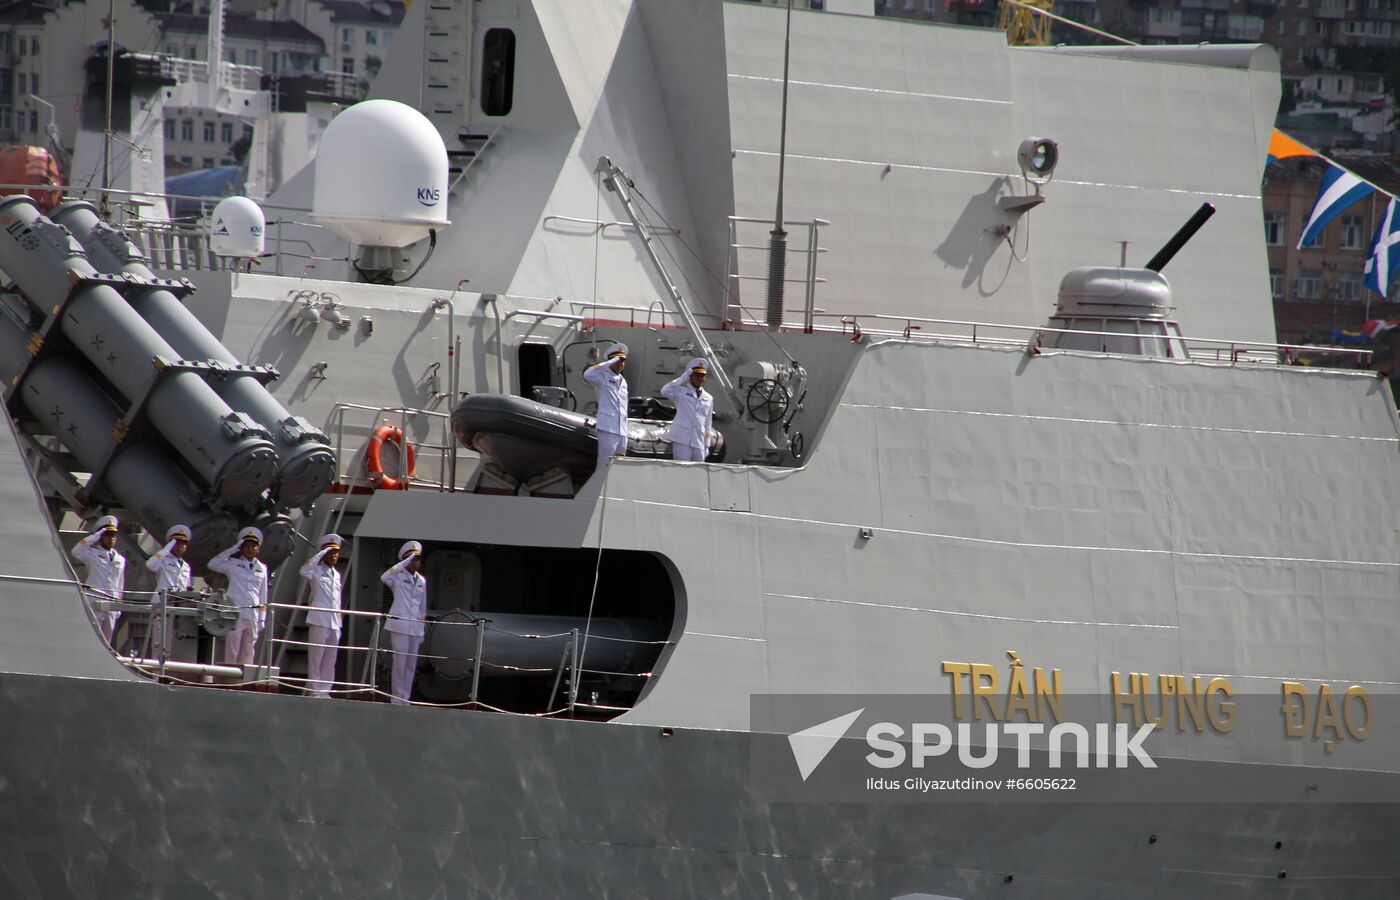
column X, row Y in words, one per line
column 104, row 357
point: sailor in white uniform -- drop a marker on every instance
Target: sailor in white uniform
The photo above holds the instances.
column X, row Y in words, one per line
column 606, row 378
column 406, row 616
column 172, row 574
column 106, row 569
column 323, row 621
column 689, row 433
column 247, row 589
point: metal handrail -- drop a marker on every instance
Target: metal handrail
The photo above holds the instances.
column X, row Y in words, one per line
column 655, row 308
column 850, row 323
column 809, row 276
column 335, row 424
column 600, row 225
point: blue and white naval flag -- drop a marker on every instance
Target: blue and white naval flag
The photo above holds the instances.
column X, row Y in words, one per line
column 1383, row 259
column 1340, row 189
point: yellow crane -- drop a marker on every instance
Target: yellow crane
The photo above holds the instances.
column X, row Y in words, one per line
column 1023, row 26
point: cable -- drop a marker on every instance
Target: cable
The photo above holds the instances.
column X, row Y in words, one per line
column 597, row 570
column 385, row 276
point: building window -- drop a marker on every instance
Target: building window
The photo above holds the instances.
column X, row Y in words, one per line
column 1278, row 29
column 347, row 66
column 372, row 38
column 185, row 160
column 1349, row 286
column 34, row 121
column 1353, row 228
column 187, row 129
column 1275, row 228
column 208, row 162
column 388, row 38
column 273, row 62
column 1276, row 283
column 23, row 82
column 347, row 35
column 226, row 133
column 23, row 46
column 1309, row 284
column 6, row 44
column 170, row 129
column 34, row 83
column 250, row 57
column 208, row 132
column 497, row 71
column 33, row 46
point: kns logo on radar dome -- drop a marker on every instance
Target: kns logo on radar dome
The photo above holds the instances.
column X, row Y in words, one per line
column 429, row 196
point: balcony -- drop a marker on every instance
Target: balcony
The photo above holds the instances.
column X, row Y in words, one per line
column 193, row 71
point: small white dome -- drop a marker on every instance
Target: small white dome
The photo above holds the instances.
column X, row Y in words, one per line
column 236, row 228
column 381, row 175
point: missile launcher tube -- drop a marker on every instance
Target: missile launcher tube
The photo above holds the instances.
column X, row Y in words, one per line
column 306, row 463
column 225, row 448
column 143, row 477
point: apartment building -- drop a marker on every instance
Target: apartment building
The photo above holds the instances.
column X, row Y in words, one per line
column 357, row 36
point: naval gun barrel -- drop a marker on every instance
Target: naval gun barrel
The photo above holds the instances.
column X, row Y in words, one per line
column 227, row 449
column 1178, row 240
column 306, row 462
column 142, row 475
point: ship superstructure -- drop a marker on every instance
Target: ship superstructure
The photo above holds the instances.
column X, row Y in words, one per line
column 984, row 429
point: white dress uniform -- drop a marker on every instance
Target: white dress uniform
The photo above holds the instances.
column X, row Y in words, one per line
column 405, row 625
column 247, row 589
column 106, row 571
column 323, row 620
column 612, row 405
column 172, row 574
column 689, row 433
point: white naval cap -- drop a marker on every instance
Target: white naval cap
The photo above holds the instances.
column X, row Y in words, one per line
column 107, row 523
column 331, row 540
column 698, row 364
column 180, row 532
column 249, row 534
column 412, row 548
column 618, row 349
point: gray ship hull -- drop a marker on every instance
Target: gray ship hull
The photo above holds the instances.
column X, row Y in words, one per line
column 131, row 790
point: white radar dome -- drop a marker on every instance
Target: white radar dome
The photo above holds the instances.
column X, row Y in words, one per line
column 236, row 228
column 381, row 175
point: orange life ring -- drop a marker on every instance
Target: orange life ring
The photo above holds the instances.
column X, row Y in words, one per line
column 376, row 468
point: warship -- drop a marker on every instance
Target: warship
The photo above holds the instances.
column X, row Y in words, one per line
column 981, row 396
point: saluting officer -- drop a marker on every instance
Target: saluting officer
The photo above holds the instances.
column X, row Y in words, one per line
column 106, row 568
column 173, row 574
column 690, row 431
column 606, row 378
column 247, row 589
column 323, row 621
column 405, row 625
